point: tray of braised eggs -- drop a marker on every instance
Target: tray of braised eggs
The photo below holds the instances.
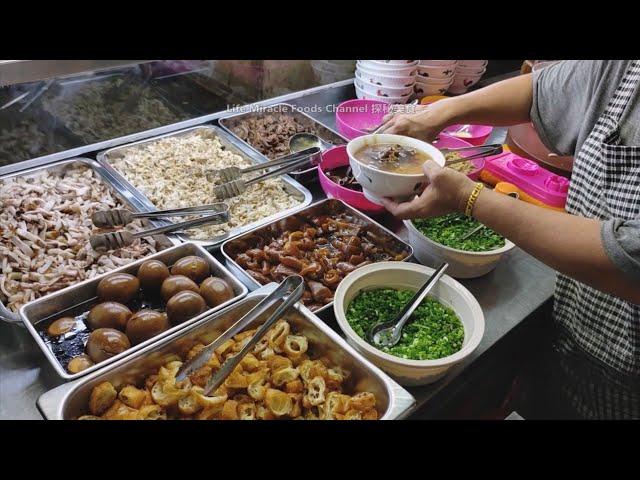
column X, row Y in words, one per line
column 96, row 322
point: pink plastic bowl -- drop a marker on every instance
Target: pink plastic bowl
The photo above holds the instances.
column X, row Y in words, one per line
column 445, row 141
column 338, row 157
column 353, row 116
column 479, row 133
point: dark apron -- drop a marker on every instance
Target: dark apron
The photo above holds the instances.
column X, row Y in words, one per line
column 594, row 361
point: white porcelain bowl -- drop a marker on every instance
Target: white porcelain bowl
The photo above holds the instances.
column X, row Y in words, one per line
column 461, row 82
column 410, row 276
column 361, row 94
column 381, row 91
column 395, row 62
column 437, row 63
column 440, row 72
column 425, row 89
column 462, row 264
column 434, row 81
column 385, row 80
column 473, row 63
column 470, row 70
column 377, row 183
column 393, row 70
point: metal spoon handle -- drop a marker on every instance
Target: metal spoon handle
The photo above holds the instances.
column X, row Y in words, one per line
column 420, row 295
column 472, row 232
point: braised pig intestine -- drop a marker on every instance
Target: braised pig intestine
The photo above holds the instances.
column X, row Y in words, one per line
column 322, row 248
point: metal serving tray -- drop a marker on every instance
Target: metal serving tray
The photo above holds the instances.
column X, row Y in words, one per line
column 291, row 186
column 320, row 206
column 125, row 197
column 303, row 176
column 80, row 298
column 70, row 400
column 69, row 88
column 58, row 138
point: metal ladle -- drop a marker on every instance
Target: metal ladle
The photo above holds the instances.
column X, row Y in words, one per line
column 302, row 141
column 388, row 334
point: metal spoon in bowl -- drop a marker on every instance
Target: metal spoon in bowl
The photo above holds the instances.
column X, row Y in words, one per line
column 388, row 334
column 472, row 232
column 303, row 141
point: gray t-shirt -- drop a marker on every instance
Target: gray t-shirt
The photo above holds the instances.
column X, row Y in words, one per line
column 568, row 99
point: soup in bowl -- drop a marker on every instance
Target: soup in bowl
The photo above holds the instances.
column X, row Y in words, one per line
column 388, row 165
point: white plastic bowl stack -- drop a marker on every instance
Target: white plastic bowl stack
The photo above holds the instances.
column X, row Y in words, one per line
column 389, row 81
column 434, row 77
column 468, row 73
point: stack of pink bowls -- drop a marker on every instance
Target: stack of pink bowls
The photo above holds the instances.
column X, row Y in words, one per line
column 434, row 77
column 467, row 74
column 388, row 81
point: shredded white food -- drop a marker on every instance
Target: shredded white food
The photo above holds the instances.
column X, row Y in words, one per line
column 171, row 173
column 45, row 224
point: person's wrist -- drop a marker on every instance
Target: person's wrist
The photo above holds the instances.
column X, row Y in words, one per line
column 464, row 190
column 446, row 112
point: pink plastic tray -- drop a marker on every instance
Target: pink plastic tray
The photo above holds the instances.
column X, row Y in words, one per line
column 530, row 177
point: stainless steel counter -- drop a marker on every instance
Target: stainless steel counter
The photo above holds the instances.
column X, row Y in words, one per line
column 508, row 295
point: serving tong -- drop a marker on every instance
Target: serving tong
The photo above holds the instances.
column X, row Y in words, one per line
column 123, row 216
column 103, row 242
column 229, row 174
column 388, row 334
column 292, row 287
column 238, row 186
column 484, row 151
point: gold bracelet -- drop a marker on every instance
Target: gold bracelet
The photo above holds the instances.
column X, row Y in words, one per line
column 472, row 199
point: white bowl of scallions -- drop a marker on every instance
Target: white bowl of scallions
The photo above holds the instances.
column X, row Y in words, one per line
column 438, row 240
column 444, row 330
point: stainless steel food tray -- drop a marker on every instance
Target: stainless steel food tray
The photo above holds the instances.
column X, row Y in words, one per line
column 291, row 186
column 303, row 176
column 124, row 196
column 70, row 400
column 318, row 206
column 70, row 87
column 81, row 297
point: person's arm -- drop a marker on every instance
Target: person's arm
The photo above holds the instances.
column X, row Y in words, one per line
column 570, row 244
column 501, row 104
